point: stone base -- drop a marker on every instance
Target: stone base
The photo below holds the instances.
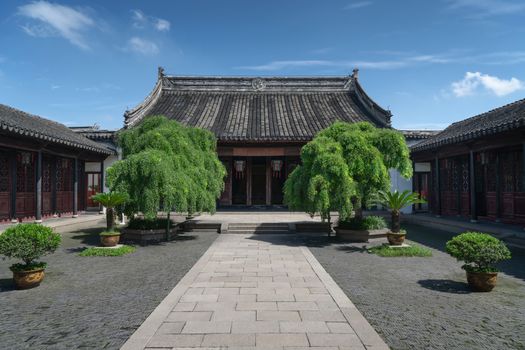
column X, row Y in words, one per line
column 404, row 245
column 114, row 247
column 147, row 236
column 359, row 235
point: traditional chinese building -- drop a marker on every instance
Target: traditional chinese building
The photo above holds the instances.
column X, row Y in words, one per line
column 260, row 123
column 43, row 167
column 475, row 167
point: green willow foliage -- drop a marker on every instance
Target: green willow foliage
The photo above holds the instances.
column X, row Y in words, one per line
column 167, row 165
column 343, row 166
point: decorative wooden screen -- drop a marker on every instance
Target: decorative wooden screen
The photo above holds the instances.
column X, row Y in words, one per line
column 25, row 184
column 64, row 185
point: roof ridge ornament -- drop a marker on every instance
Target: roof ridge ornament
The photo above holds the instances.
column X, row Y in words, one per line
column 355, row 73
column 258, row 84
column 160, row 72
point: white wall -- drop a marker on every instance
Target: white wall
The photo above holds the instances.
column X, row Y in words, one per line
column 399, row 183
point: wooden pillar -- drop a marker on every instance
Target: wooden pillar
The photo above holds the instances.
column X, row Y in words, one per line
column 101, row 209
column 38, row 206
column 498, row 188
column 75, row 188
column 54, row 186
column 457, row 166
column 249, row 181
column 268, row 181
column 12, row 169
column 438, row 188
column 414, row 178
column 472, row 185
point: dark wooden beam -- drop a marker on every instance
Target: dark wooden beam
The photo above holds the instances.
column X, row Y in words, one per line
column 472, row 176
column 38, row 206
column 75, row 188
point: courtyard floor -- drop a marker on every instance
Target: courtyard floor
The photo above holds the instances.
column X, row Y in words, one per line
column 412, row 303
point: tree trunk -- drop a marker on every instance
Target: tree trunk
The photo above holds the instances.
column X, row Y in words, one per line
column 168, row 236
column 358, row 210
column 110, row 219
column 329, row 225
column 396, row 221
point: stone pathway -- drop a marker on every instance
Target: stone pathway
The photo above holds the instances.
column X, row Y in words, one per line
column 250, row 293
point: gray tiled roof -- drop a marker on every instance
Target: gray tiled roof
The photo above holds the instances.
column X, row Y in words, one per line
column 17, row 122
column 505, row 118
column 260, row 109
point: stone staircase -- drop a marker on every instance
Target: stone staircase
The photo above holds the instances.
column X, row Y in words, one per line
column 201, row 226
column 258, row 228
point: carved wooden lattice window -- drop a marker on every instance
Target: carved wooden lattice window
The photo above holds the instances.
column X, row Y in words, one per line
column 507, row 171
column 4, row 173
column 490, row 163
column 518, row 171
column 25, row 172
column 46, row 175
column 455, row 175
column 64, row 178
column 464, row 175
column 446, row 174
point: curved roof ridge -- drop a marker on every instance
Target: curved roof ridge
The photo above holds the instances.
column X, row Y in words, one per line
column 14, row 120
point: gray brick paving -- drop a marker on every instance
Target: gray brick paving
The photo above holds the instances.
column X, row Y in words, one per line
column 248, row 293
column 94, row 302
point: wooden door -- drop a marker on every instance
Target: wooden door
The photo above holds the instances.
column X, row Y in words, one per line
column 258, row 178
column 5, row 187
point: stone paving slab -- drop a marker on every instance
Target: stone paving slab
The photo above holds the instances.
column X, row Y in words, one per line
column 248, row 293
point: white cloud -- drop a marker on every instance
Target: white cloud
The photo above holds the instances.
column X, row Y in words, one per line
column 142, row 46
column 380, row 64
column 487, row 8
column 472, row 81
column 56, row 20
column 141, row 20
column 358, row 5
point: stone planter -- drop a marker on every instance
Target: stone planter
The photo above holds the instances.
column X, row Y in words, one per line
column 109, row 240
column 482, row 281
column 147, row 236
column 359, row 235
column 396, row 238
column 28, row 279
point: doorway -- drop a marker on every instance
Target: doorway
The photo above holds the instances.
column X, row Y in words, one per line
column 258, row 180
column 92, row 188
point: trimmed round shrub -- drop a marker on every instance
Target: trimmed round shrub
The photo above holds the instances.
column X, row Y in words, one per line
column 28, row 242
column 367, row 223
column 479, row 251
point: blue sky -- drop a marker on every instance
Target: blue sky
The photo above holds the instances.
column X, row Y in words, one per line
column 430, row 62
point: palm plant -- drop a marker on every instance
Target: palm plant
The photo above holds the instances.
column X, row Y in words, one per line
column 396, row 201
column 110, row 200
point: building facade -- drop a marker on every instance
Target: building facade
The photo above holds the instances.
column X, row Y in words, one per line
column 43, row 167
column 475, row 168
column 260, row 123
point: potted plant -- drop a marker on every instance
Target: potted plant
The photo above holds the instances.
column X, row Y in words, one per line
column 361, row 229
column 480, row 252
column 28, row 242
column 396, row 201
column 110, row 200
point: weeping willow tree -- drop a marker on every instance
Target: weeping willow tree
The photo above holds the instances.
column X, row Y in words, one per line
column 343, row 167
column 167, row 165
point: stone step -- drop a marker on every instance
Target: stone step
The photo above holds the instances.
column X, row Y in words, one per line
column 247, row 232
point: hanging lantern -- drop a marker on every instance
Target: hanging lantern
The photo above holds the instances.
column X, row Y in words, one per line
column 25, row 158
column 239, row 166
column 277, row 165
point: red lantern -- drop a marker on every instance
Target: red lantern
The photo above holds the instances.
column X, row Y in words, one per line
column 277, row 165
column 239, row 166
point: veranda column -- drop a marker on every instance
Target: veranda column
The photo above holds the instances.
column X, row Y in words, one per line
column 268, row 181
column 498, row 188
column 438, row 188
column 38, row 206
column 249, row 181
column 101, row 208
column 54, row 186
column 472, row 185
column 12, row 162
column 75, row 188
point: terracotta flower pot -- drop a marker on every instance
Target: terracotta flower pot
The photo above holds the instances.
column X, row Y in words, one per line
column 482, row 281
column 395, row 238
column 110, row 240
column 28, row 279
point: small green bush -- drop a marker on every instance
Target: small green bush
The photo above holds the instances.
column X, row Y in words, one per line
column 479, row 251
column 149, row 224
column 97, row 251
column 366, row 223
column 387, row 251
column 28, row 242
